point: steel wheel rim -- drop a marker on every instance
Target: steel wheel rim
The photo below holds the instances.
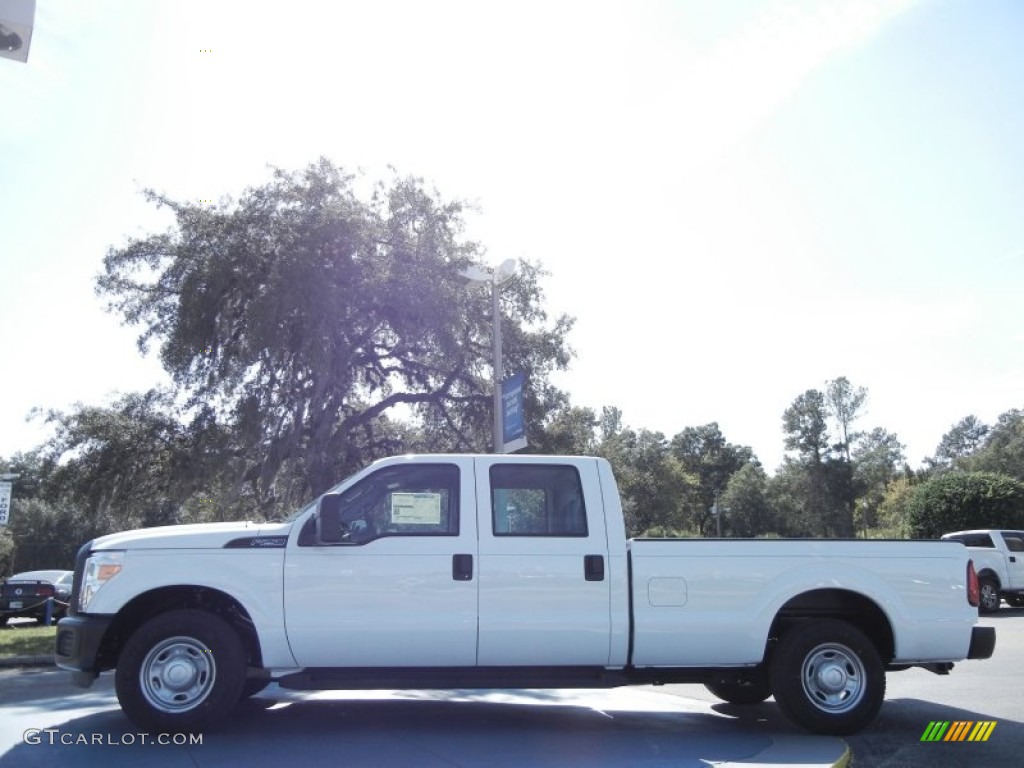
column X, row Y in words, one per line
column 834, row 678
column 989, row 596
column 177, row 674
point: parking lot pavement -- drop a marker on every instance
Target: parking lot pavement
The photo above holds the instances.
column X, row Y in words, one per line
column 47, row 721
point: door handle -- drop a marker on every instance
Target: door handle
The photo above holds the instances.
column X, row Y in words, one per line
column 462, row 567
column 593, row 567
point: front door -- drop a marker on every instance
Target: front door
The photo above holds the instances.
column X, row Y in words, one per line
column 400, row 588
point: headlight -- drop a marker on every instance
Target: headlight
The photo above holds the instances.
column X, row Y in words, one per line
column 99, row 569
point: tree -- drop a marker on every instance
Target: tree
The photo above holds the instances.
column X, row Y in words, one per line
column 705, row 454
column 303, row 315
column 892, row 511
column 789, row 490
column 810, row 483
column 1003, row 448
column 845, row 403
column 875, row 460
column 805, row 424
column 963, row 500
column 130, row 464
column 654, row 487
column 568, row 432
column 45, row 535
column 746, row 497
column 962, row 440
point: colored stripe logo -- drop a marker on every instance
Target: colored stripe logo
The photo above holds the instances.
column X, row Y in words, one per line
column 958, row 730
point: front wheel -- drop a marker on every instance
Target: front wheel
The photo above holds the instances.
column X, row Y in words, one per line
column 827, row 677
column 181, row 671
column 989, row 595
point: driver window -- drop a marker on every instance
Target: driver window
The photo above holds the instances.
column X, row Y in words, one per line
column 412, row 500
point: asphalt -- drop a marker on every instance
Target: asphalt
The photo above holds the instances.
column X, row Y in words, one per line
column 613, row 727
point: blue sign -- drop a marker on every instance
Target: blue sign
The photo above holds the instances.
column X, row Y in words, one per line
column 512, row 419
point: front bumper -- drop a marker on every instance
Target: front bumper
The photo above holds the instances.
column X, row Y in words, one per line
column 983, row 643
column 77, row 647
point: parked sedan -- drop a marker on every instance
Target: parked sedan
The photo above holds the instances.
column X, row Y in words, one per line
column 25, row 594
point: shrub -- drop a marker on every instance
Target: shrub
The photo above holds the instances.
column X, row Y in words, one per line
column 959, row 501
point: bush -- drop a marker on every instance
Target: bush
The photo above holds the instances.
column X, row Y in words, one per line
column 960, row 501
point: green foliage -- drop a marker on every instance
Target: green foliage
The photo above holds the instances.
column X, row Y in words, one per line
column 750, row 513
column 835, row 481
column 654, row 487
column 844, row 402
column 892, row 510
column 46, row 535
column 1003, row 448
column 962, row 440
column 6, row 551
column 805, row 425
column 569, row 431
column 705, row 455
column 959, row 501
column 127, row 465
column 876, row 458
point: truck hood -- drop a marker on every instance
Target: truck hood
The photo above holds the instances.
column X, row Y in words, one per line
column 198, row 536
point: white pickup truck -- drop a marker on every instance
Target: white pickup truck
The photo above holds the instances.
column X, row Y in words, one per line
column 452, row 571
column 999, row 560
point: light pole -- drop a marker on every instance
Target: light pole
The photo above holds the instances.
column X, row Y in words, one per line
column 717, row 511
column 495, row 277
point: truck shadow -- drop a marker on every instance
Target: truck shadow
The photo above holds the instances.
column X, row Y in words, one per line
column 542, row 729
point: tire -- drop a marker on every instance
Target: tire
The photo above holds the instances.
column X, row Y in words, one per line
column 1017, row 601
column 827, row 677
column 181, row 671
column 746, row 692
column 989, row 595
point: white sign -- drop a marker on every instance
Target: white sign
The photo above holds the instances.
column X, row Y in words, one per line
column 416, row 508
column 5, row 502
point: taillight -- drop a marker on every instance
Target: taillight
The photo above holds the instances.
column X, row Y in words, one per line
column 973, row 591
column 45, row 590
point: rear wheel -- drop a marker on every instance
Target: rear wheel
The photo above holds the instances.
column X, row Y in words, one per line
column 827, row 677
column 989, row 595
column 181, row 671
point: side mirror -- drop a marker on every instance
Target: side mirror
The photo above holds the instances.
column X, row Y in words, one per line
column 328, row 519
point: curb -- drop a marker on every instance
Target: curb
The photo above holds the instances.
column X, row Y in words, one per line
column 27, row 661
column 827, row 752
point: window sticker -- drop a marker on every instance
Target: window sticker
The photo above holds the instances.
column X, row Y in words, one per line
column 416, row 508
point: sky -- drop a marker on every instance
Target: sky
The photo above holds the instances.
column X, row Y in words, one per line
column 738, row 201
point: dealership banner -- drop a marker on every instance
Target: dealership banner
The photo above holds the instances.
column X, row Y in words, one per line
column 5, row 502
column 513, row 421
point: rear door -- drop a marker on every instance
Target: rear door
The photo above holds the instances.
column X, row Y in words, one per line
column 1014, row 558
column 544, row 576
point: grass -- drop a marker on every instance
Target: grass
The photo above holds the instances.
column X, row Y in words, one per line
column 27, row 640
